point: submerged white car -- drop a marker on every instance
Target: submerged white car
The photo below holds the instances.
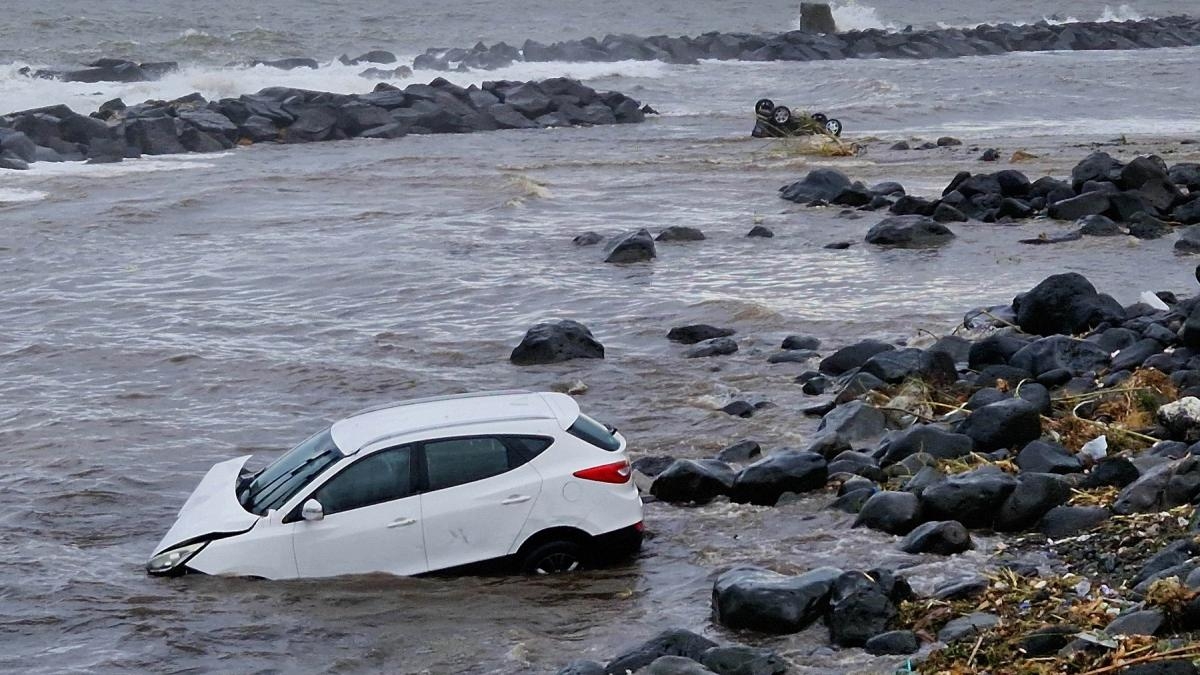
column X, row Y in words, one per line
column 415, row 487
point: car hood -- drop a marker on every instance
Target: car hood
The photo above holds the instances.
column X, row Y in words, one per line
column 212, row 508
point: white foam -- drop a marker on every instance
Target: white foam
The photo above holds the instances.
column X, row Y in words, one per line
column 16, row 195
column 851, row 15
column 23, row 93
column 144, row 164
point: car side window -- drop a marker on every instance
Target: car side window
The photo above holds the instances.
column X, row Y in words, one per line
column 463, row 460
column 380, row 477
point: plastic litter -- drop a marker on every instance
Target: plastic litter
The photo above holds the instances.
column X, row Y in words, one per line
column 1097, row 448
column 1149, row 298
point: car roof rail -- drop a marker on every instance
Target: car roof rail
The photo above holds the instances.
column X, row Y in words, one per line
column 445, row 397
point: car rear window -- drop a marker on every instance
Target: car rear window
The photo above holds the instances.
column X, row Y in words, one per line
column 595, row 433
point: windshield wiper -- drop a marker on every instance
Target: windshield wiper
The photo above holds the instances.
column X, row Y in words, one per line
column 261, row 494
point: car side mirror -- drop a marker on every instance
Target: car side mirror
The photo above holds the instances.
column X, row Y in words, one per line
column 312, row 510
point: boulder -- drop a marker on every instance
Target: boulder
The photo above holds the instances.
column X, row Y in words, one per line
column 630, row 247
column 760, row 231
column 895, row 642
column 1064, row 304
column 653, row 465
column 1189, row 240
column 674, row 642
column 721, row 346
column 892, row 512
column 154, row 135
column 1046, row 457
column 1098, row 226
column 847, row 423
column 1181, row 419
column 743, row 661
column 852, row 356
column 697, row 332
column 740, row 452
column 555, row 341
column 757, row 599
column 1008, row 423
column 966, row 626
column 587, row 239
column 818, row 185
column 697, row 481
column 680, row 233
column 804, row 342
column 994, row 349
column 1074, row 208
column 972, row 498
column 764, row 481
column 860, row 607
column 675, row 665
column 1141, row 622
column 1066, row 521
column 816, row 17
column 1034, row 496
column 1098, row 166
column 945, row 537
column 1060, row 352
column 927, row 438
column 911, row 231
column 582, row 667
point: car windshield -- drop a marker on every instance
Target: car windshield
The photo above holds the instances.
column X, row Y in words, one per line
column 283, row 478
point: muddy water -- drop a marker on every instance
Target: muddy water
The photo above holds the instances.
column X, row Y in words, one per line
column 161, row 315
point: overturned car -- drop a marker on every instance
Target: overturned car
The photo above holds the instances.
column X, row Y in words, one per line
column 772, row 121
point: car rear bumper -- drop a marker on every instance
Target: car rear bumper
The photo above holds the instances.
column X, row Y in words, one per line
column 618, row 544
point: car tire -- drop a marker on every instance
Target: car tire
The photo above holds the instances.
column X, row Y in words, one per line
column 764, row 107
column 834, row 127
column 820, row 118
column 781, row 115
column 554, row 557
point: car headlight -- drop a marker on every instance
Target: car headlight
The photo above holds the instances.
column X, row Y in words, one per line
column 172, row 561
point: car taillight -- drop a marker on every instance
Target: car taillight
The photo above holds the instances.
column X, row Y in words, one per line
column 617, row 472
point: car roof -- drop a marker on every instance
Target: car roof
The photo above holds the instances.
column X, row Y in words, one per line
column 446, row 412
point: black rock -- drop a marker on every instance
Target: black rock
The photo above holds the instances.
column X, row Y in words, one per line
column 1135, row 355
column 972, row 498
column 897, row 642
column 1046, row 457
column 945, row 537
column 760, row 231
column 757, row 599
column 847, row 423
column 819, row 184
column 764, row 481
column 1189, row 240
column 933, row 440
column 154, row 135
column 1187, row 213
column 582, row 668
column 945, row 213
column 1142, row 622
column 739, row 409
column 1165, row 667
column 947, row 141
column 697, row 332
column 989, row 155
column 962, row 589
column 1034, row 496
column 1005, row 424
column 652, row 465
column 1096, row 166
column 675, row 665
column 722, row 346
column 740, row 452
column 698, row 481
column 993, row 350
column 892, row 512
column 800, row 342
column 860, row 607
column 852, row 502
column 792, row 356
column 1146, row 226
column 555, row 341
column 985, row 396
column 1047, row 640
column 1117, row 471
column 1064, row 304
column 587, row 239
column 743, row 661
column 680, row 233
column 966, row 626
column 674, row 642
column 1060, row 352
column 630, row 247
column 852, row 356
column 1074, row 208
column 1098, row 226
column 1066, row 521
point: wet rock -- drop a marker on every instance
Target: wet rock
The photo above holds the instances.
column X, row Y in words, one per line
column 721, row 346
column 698, row 481
column 1164, row 667
column 792, row 356
column 896, row 642
column 805, row 342
column 900, row 145
column 674, row 642
column 1143, row 622
column 838, row 245
column 1098, row 166
column 990, row 155
column 1117, row 471
column 857, row 385
column 764, row 481
column 1064, row 304
column 931, row 439
column 817, row 17
column 630, row 247
column 1098, row 226
column 860, row 607
column 582, row 668
column 985, row 396
column 846, row 424
column 856, row 463
column 948, row 141
column 1047, row 640
column 819, row 184
column 757, row 599
column 967, row 626
column 555, row 341
column 852, row 356
column 743, row 661
column 588, row 239
column 653, row 465
column 1034, row 496
column 676, row 665
column 739, row 409
column 945, row 537
column 1132, row 357
column 1060, row 352
column 892, row 512
column 697, row 332
column 740, row 452
column 961, row 590
column 1171, row 556
column 993, row 350
column 1181, row 418
column 1187, row 213
column 1046, row 457
column 1066, row 521
column 1146, row 226
column 760, row 231
column 1036, row 394
column 911, row 231
column 1189, row 240
column 680, row 233
column 972, row 498
column 852, row 502
column 1009, row 423
column 814, row 386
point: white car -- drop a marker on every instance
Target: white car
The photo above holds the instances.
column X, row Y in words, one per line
column 415, row 487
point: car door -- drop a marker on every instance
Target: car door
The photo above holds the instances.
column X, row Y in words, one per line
column 371, row 523
column 478, row 494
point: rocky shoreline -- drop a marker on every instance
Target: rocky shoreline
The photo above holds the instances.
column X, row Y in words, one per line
column 281, row 114
column 796, row 45
column 1067, row 420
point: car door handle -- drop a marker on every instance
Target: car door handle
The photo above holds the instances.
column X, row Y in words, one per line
column 401, row 522
column 516, row 499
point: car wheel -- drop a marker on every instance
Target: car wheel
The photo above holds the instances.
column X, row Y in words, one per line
column 820, row 118
column 781, row 115
column 555, row 557
column 764, row 107
column 834, row 127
